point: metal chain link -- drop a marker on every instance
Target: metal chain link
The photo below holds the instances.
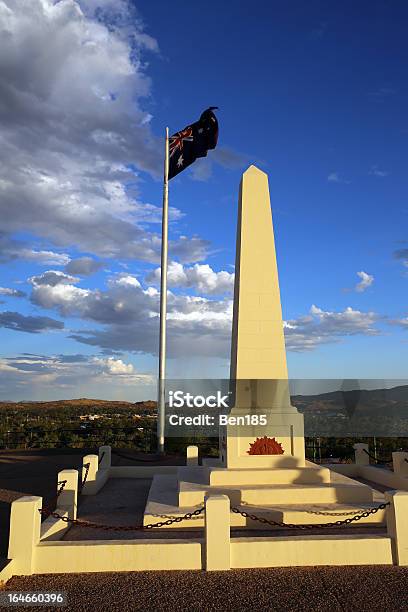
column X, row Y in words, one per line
column 374, row 458
column 306, row 526
column 138, row 459
column 190, row 515
column 79, row 523
column 86, row 466
column 61, row 484
column 321, row 513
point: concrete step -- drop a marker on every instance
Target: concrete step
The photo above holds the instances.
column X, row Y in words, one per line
column 161, row 508
column 302, row 475
column 256, row 476
column 190, row 494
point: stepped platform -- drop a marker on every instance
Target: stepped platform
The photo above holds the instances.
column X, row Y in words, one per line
column 265, row 493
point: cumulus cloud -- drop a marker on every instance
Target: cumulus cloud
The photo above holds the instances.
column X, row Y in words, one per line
column 52, row 278
column 130, row 313
column 11, row 292
column 84, row 266
column 198, row 326
column 32, row 325
column 323, row 327
column 11, row 249
column 365, row 282
column 74, row 132
column 114, row 366
column 58, row 375
column 200, row 277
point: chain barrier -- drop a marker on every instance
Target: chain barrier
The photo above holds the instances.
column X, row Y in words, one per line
column 189, row 515
column 306, row 526
column 129, row 458
column 61, row 484
column 79, row 523
column 322, row 513
column 86, row 466
column 375, row 458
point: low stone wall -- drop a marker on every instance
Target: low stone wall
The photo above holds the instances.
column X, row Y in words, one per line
column 36, row 548
column 396, row 479
column 216, row 551
column 311, row 550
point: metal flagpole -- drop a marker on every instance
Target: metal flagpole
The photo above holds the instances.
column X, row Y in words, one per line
column 161, row 401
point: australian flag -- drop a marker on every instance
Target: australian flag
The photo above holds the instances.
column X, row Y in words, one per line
column 193, row 142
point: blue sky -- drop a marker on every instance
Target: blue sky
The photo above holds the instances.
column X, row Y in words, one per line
column 314, row 94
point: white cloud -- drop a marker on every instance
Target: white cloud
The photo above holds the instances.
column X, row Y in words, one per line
column 114, row 366
column 58, row 375
column 334, row 177
column 200, row 277
column 403, row 323
column 366, row 281
column 11, row 292
column 196, row 325
column 52, row 278
column 323, row 327
column 74, row 128
column 15, row 249
column 376, row 171
column 31, row 324
column 84, row 266
column 402, row 254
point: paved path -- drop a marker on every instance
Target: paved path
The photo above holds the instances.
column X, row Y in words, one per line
column 34, row 472
column 314, row 589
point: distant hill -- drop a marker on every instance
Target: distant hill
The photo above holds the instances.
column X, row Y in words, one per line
column 394, row 400
column 84, row 403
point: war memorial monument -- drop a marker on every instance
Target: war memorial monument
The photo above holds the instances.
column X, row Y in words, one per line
column 236, row 505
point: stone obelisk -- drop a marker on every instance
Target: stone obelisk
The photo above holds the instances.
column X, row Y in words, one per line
column 259, row 373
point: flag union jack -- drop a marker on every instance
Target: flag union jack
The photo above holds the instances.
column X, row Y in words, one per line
column 194, row 141
column 176, row 142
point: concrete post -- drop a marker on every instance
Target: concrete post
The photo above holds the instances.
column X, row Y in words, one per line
column 68, row 499
column 361, row 457
column 400, row 463
column 89, row 487
column 397, row 525
column 192, row 455
column 105, row 453
column 217, row 532
column 25, row 528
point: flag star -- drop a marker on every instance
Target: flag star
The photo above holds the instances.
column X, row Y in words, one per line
column 180, row 161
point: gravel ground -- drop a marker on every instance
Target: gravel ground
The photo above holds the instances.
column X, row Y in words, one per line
column 318, row 589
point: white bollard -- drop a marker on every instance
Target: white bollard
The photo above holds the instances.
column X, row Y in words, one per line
column 217, row 533
column 89, row 488
column 25, row 528
column 68, row 498
column 400, row 463
column 192, row 455
column 361, row 457
column 397, row 525
column 105, row 460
